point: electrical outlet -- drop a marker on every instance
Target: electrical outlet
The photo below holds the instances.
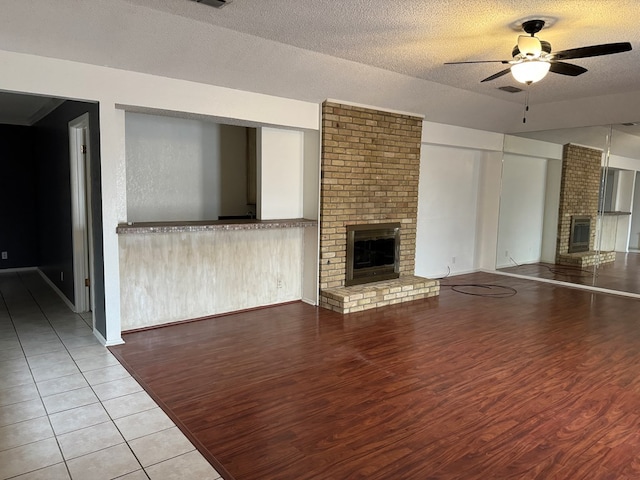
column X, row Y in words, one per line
column 279, row 283
column 506, row 253
column 453, row 260
column 5, row 255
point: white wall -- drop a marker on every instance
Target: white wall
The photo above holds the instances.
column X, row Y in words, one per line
column 616, row 229
column 487, row 209
column 634, row 235
column 536, row 155
column 532, row 148
column 181, row 169
column 458, row 198
column 311, row 211
column 521, row 210
column 623, row 203
column 626, row 200
column 623, row 195
column 461, row 137
column 551, row 210
column 447, row 216
column 624, row 163
column 280, row 173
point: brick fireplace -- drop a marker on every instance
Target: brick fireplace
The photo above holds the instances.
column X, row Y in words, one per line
column 370, row 170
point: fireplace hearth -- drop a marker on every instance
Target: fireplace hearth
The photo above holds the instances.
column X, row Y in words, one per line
column 373, row 253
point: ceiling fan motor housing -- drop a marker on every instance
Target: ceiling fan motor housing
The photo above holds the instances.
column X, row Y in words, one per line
column 546, row 48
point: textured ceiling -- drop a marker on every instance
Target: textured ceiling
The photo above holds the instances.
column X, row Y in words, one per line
column 312, row 50
column 416, row 37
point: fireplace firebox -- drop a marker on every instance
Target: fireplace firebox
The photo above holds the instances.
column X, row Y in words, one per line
column 580, row 234
column 373, row 253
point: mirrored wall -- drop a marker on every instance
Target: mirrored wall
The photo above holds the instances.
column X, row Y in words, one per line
column 570, row 206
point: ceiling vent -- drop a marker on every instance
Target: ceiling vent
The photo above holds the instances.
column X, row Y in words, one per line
column 215, row 3
column 510, row 89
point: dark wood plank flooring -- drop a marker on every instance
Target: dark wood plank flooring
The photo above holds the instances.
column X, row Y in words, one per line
column 542, row 384
column 622, row 275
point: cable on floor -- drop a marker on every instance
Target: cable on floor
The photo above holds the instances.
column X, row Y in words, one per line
column 499, row 291
column 561, row 269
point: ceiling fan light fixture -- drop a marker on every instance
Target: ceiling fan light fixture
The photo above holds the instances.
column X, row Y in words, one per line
column 529, row 46
column 530, row 71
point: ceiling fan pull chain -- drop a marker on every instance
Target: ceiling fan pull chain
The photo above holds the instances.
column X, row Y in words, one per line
column 526, row 106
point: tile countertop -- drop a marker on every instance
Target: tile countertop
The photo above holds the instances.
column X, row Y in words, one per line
column 206, row 225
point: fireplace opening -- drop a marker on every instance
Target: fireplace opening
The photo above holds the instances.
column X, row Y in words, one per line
column 373, row 253
column 580, row 234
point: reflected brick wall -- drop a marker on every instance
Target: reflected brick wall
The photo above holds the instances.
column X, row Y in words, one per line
column 579, row 191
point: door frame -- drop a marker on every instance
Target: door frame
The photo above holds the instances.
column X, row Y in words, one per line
column 81, row 215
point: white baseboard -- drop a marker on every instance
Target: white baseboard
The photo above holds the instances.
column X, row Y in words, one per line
column 309, row 301
column 567, row 284
column 104, row 342
column 58, row 291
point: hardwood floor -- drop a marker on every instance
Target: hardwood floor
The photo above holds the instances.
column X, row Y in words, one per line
column 542, row 384
column 622, row 275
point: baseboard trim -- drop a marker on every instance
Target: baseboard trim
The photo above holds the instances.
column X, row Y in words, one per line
column 57, row 290
column 577, row 286
column 208, row 317
column 104, row 342
column 310, row 302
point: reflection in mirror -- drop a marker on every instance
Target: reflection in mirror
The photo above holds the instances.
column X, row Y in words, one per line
column 570, row 206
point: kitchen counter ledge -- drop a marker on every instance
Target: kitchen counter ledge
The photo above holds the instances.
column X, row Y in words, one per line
column 208, row 225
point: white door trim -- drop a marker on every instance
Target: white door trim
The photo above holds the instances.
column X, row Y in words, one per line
column 80, row 212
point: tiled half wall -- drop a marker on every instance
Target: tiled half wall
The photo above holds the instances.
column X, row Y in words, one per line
column 370, row 170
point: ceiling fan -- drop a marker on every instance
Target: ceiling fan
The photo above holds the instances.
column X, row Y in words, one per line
column 533, row 58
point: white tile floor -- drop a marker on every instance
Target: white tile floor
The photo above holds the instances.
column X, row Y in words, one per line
column 68, row 409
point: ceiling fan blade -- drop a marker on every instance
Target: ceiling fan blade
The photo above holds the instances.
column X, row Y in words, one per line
column 593, row 51
column 477, row 61
column 496, row 75
column 564, row 68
